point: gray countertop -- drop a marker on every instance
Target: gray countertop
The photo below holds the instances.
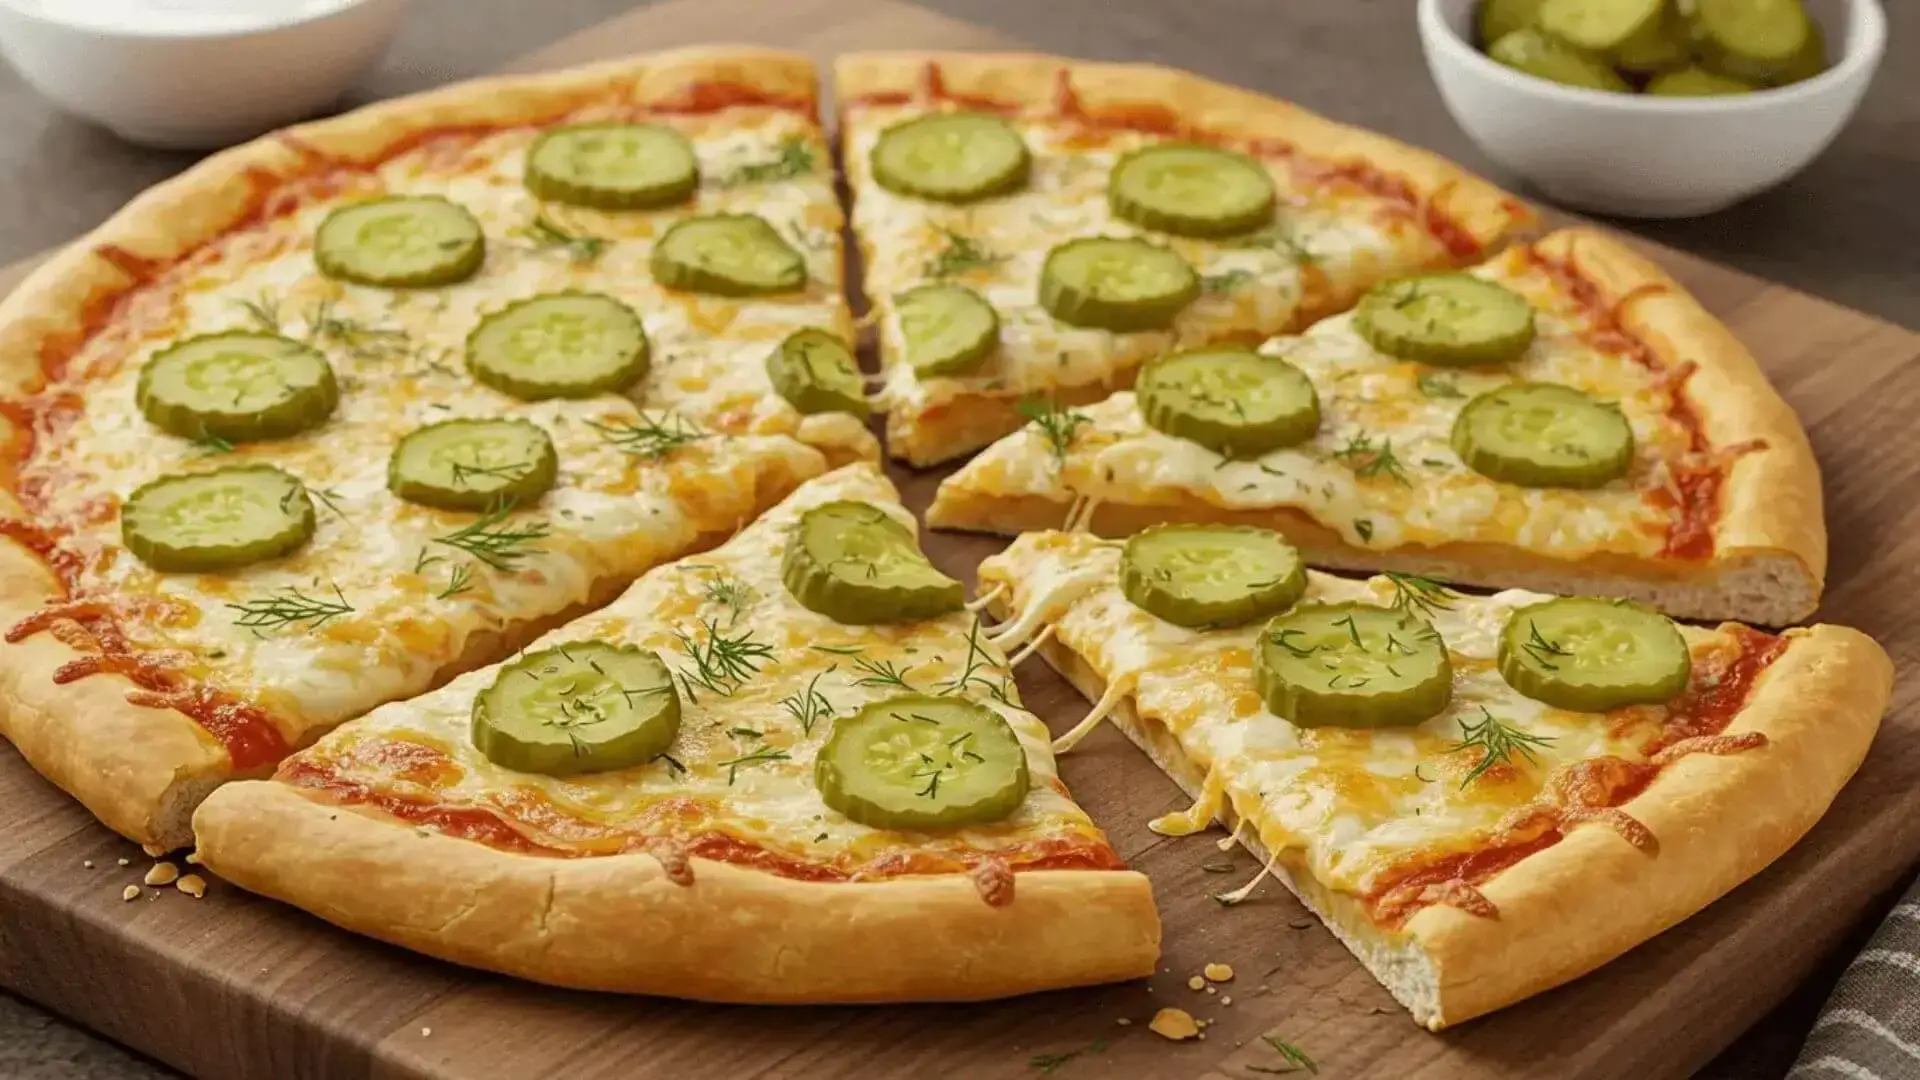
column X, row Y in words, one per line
column 1847, row 229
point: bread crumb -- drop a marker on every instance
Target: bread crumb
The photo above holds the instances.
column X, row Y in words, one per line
column 193, row 858
column 131, row 892
column 1124, row 1022
column 152, row 851
column 425, row 1031
column 86, row 864
column 1227, row 1000
column 163, row 874
column 193, row 885
column 1196, row 983
column 1218, row 972
column 124, row 862
column 1175, row 1024
column 1213, row 989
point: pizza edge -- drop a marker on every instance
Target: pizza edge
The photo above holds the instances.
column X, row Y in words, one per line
column 1769, row 539
column 1572, row 907
column 1487, row 216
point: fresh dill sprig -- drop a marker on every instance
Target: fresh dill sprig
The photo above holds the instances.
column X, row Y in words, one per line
column 808, row 707
column 289, row 606
column 327, row 497
column 733, row 594
column 1277, row 239
column 499, row 547
column 962, row 253
column 1496, row 742
column 426, row 559
column 1369, row 459
column 794, row 159
column 762, row 756
column 977, row 658
column 1049, row 1063
column 209, row 443
column 721, row 664
column 1226, row 281
column 1058, row 425
column 1435, row 385
column 458, row 581
column 362, row 341
column 581, row 248
column 1283, row 638
column 1541, row 648
column 881, row 673
column 646, row 437
column 1295, row 1058
column 1419, row 595
column 263, row 311
column 463, row 473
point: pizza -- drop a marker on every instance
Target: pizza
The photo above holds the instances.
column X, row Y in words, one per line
column 1482, row 796
column 1037, row 226
column 1564, row 417
column 758, row 763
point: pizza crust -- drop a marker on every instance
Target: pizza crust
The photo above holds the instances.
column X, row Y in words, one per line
column 1580, row 903
column 734, row 935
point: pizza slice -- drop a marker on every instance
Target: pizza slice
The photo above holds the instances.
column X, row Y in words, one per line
column 1564, row 417
column 1483, row 797
column 1038, row 226
column 792, row 769
column 339, row 413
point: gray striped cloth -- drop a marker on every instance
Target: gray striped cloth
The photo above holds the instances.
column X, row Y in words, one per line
column 1870, row 1027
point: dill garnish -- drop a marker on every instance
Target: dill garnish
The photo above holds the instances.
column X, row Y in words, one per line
column 1369, row 459
column 646, row 437
column 289, row 606
column 720, row 663
column 970, row 670
column 1435, row 385
column 881, row 673
column 209, row 443
column 1415, row 594
column 509, row 472
column 808, row 707
column 326, row 497
column 579, row 247
column 459, row 581
column 733, row 594
column 363, row 342
column 761, row 756
column 1226, row 281
column 962, row 253
column 498, row 547
column 1277, row 239
column 1058, row 425
column 1296, row 1058
column 1540, row 648
column 794, row 159
column 263, row 311
column 1496, row 742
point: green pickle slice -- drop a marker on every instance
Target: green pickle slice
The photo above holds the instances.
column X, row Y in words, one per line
column 579, row 708
column 1811, row 60
column 1498, row 18
column 1543, row 435
column 949, row 329
column 1544, row 56
column 1590, row 654
column 1696, row 82
column 473, row 464
column 238, row 386
column 955, row 157
column 1118, row 284
column 1755, row 40
column 727, row 255
column 923, row 762
column 1662, row 45
column 815, row 371
column 613, row 166
column 1234, row 402
column 1456, row 320
column 217, row 520
column 1191, row 190
column 405, row 242
column 559, row 345
column 855, row 564
column 1599, row 25
column 1211, row 575
column 1352, row 665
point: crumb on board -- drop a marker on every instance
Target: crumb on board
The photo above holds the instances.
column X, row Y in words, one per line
column 163, row 874
column 1175, row 1024
column 126, row 862
column 1124, row 1022
column 131, row 892
column 425, row 1031
column 1218, row 972
column 193, row 885
column 86, row 864
column 1213, row 989
column 1196, row 983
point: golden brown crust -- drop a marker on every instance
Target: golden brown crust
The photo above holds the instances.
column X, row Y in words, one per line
column 616, row 923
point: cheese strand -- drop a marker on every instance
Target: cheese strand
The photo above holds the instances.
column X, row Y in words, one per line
column 1116, row 692
column 1229, row 899
column 1031, row 647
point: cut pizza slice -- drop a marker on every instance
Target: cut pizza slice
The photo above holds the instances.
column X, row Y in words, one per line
column 337, row 414
column 792, row 769
column 1564, row 417
column 1483, row 797
column 1039, row 227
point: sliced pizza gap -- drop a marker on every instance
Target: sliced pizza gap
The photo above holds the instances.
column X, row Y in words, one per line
column 544, row 818
column 1563, row 418
column 1483, row 797
column 1000, row 267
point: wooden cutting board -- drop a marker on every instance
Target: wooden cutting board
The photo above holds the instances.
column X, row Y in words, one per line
column 234, row 986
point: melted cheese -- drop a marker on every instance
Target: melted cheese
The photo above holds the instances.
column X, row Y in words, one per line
column 1353, row 801
column 773, row 802
column 398, row 357
column 1366, row 395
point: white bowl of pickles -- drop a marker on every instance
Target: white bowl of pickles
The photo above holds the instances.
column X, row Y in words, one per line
column 1652, row 108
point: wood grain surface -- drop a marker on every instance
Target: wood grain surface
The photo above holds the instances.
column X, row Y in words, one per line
column 234, row 986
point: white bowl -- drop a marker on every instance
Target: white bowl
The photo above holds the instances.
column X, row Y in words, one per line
column 202, row 77
column 1650, row 157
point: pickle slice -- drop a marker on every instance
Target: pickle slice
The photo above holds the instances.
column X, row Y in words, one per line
column 1352, row 665
column 613, row 166
column 923, row 762
column 816, row 373
column 727, row 255
column 954, row 157
column 1754, row 40
column 410, row 241
column 1116, row 284
column 238, row 386
column 1498, row 18
column 1211, row 575
column 853, row 563
column 949, row 329
column 1590, row 655
column 473, row 464
column 1191, row 190
column 1452, row 319
column 1664, row 44
column 559, row 345
column 1811, row 60
column 1546, row 57
column 1543, row 435
column 1696, row 82
column 584, row 707
column 1234, row 402
column 1599, row 25
column 217, row 520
